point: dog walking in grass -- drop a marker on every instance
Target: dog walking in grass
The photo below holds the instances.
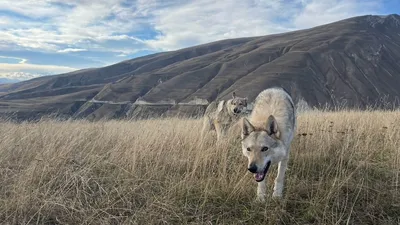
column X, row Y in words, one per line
column 220, row 117
column 267, row 135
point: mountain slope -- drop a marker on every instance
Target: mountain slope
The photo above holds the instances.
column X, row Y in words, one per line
column 353, row 60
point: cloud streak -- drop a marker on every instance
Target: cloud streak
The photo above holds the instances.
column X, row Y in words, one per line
column 21, row 60
column 72, row 50
column 8, row 67
column 19, row 75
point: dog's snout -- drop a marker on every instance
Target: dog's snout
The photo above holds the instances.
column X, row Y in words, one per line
column 236, row 110
column 252, row 168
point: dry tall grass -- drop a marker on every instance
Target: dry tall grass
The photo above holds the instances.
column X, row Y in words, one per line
column 344, row 169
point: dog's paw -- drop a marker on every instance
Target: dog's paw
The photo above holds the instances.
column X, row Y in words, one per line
column 277, row 195
column 260, row 198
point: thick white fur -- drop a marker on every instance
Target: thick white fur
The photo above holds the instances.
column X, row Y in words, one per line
column 279, row 104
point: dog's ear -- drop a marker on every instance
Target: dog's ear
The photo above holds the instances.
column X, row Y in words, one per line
column 247, row 127
column 220, row 105
column 233, row 95
column 272, row 126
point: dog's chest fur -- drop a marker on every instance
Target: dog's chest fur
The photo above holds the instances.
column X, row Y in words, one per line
column 224, row 116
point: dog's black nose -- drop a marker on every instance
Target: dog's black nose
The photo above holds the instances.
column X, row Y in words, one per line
column 253, row 168
column 236, row 110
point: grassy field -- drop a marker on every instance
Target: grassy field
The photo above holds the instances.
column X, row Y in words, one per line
column 344, row 169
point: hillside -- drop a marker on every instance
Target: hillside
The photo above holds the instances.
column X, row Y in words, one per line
column 353, row 61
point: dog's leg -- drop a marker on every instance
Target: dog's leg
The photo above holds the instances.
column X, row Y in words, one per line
column 206, row 127
column 280, row 178
column 218, row 129
column 261, row 189
column 222, row 131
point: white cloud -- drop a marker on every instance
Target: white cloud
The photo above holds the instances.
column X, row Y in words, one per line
column 79, row 24
column 27, row 67
column 72, row 50
column 19, row 75
column 34, row 9
column 204, row 21
column 317, row 12
column 5, row 21
column 58, row 25
column 21, row 60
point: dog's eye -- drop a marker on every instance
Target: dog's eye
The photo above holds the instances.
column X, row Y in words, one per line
column 264, row 149
column 248, row 149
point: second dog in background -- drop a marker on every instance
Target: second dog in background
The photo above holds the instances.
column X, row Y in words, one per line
column 220, row 117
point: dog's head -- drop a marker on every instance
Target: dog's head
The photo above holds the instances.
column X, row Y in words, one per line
column 237, row 105
column 262, row 146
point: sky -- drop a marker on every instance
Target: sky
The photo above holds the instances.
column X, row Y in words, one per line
column 45, row 37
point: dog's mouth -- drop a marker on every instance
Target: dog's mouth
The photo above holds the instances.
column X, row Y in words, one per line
column 261, row 175
column 238, row 111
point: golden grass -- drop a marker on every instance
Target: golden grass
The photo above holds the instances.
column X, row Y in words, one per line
column 344, row 169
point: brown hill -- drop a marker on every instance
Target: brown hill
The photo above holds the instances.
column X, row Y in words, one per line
column 354, row 61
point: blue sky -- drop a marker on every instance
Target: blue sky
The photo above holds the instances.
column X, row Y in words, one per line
column 45, row 37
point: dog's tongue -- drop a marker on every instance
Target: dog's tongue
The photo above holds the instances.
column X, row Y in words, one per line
column 258, row 176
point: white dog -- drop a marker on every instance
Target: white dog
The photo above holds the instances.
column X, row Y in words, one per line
column 222, row 116
column 267, row 135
